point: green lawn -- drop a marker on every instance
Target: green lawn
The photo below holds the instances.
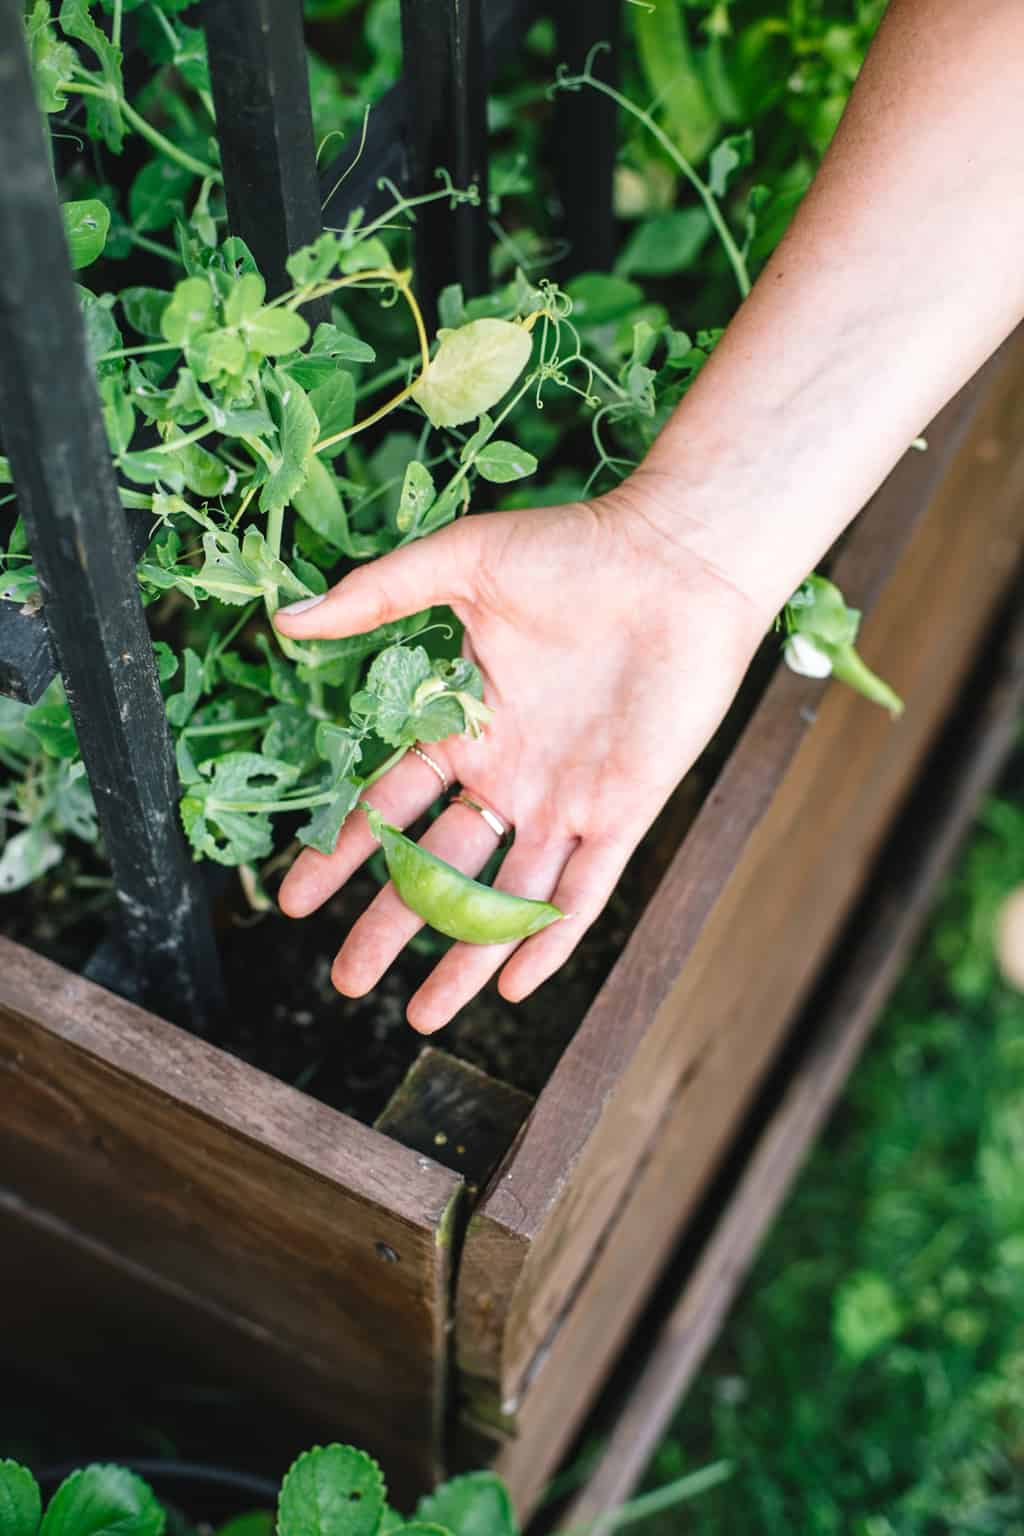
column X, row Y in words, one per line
column 871, row 1377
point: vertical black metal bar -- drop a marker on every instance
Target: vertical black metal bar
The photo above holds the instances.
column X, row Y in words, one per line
column 446, row 81
column 260, row 81
column 586, row 129
column 81, row 547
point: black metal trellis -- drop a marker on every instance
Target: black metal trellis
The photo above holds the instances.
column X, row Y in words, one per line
column 84, row 548
column 260, row 82
column 445, row 100
column 68, row 497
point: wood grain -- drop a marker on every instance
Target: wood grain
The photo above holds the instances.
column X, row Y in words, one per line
column 689, row 1018
column 839, row 1023
column 312, row 1236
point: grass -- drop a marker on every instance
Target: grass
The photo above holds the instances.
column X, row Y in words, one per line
column 870, row 1380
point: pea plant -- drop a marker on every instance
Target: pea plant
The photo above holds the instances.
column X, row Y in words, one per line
column 266, row 456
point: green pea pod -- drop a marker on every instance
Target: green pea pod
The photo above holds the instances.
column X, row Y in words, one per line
column 850, row 669
column 450, row 901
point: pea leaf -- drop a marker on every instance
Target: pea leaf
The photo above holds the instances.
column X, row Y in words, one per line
column 103, row 1501
column 598, row 297
column 297, row 428
column 253, row 675
column 668, row 243
column 224, row 573
column 144, row 309
column 271, row 332
column 335, row 659
column 322, row 829
column 118, row 414
column 74, row 809
column 332, row 1490
column 501, row 462
column 190, row 311
column 245, row 298
column 50, row 722
column 312, row 263
column 330, row 346
column 157, row 195
column 334, row 402
column 270, row 571
column 339, row 748
column 101, row 332
column 418, row 495
column 86, row 225
column 181, row 705
column 319, row 503
column 24, row 858
column 52, row 60
column 473, row 368
column 20, row 1504
column 291, row 736
column 408, row 698
column 217, row 811
column 103, row 114
column 257, row 1522
column 728, row 157
column 475, row 1505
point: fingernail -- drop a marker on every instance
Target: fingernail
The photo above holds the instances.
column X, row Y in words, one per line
column 306, row 603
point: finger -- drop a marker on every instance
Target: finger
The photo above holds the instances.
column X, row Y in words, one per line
column 529, row 869
column 460, row 837
column 404, row 793
column 582, row 893
column 417, row 576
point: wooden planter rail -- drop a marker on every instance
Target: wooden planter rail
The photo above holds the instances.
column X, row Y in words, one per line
column 169, row 1212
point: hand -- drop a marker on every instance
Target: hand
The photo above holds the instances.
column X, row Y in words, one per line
column 609, row 652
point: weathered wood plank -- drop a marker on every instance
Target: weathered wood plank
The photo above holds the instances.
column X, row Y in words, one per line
column 455, row 1113
column 838, row 1023
column 776, row 856
column 316, row 1234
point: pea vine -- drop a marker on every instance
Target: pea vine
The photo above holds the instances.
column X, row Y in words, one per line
column 265, row 456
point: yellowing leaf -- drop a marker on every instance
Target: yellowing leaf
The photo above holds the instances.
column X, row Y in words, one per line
column 472, row 369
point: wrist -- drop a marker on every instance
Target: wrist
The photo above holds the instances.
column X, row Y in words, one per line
column 710, row 520
column 651, row 524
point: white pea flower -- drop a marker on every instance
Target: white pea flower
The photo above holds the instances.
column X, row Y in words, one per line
column 803, row 656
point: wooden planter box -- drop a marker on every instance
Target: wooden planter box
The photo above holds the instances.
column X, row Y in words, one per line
column 165, row 1207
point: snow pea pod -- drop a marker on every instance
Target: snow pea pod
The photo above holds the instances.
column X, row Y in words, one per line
column 450, row 901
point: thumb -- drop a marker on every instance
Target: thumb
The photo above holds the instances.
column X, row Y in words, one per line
column 417, row 576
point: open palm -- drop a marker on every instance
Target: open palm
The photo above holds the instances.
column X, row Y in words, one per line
column 609, row 654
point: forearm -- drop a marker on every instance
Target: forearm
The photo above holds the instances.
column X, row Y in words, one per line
column 901, row 273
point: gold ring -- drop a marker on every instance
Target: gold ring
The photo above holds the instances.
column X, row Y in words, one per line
column 425, row 757
column 493, row 820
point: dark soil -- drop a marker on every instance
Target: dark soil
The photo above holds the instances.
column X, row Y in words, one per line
column 285, row 1017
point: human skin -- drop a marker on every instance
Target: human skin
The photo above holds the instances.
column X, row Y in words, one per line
column 612, row 635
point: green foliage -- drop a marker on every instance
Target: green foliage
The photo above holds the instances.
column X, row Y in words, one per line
column 95, row 1501
column 331, row 1490
column 239, row 434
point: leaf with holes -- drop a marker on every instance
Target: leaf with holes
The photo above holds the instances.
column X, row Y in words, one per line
column 473, row 368
column 86, row 225
column 332, row 1490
